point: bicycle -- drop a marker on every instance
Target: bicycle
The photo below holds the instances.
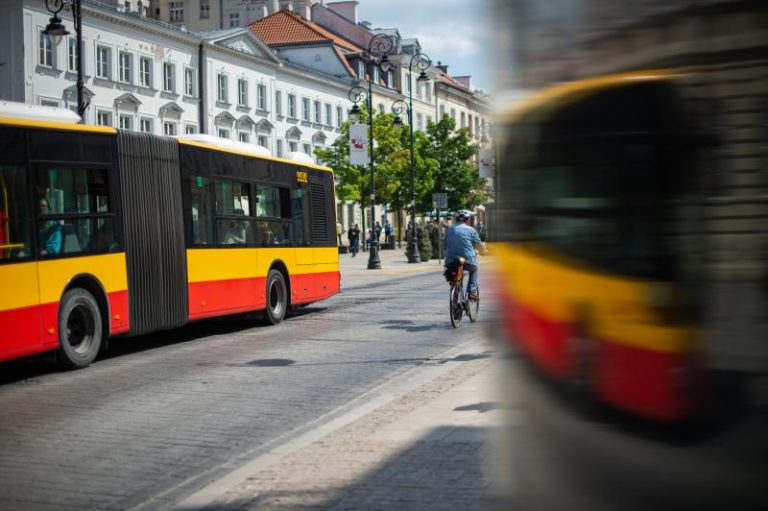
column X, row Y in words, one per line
column 458, row 300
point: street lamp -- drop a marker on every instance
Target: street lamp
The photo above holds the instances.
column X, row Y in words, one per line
column 379, row 47
column 422, row 63
column 56, row 31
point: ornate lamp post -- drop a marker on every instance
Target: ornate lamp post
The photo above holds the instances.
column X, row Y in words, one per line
column 379, row 47
column 56, row 31
column 422, row 63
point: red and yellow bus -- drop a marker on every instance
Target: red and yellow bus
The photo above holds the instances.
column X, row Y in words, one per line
column 598, row 253
column 107, row 232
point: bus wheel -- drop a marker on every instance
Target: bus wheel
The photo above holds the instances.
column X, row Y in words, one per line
column 79, row 329
column 277, row 297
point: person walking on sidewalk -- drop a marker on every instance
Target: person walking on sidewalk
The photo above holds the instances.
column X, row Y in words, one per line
column 461, row 241
column 377, row 232
column 339, row 230
column 354, row 239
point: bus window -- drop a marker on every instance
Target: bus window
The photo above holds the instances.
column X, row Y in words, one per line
column 202, row 219
column 299, row 235
column 233, row 211
column 74, row 213
column 14, row 224
column 273, row 207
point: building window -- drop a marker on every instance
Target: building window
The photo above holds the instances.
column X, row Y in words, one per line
column 104, row 118
column 293, row 146
column 176, row 12
column 189, row 82
column 243, row 137
column 205, row 9
column 305, row 109
column 242, row 92
column 49, row 102
column 126, row 122
column 442, row 111
column 222, row 88
column 261, row 96
column 291, row 106
column 278, row 102
column 72, row 55
column 280, row 148
column 125, row 67
column 103, row 62
column 263, row 141
column 381, row 108
column 308, row 149
column 234, row 20
column 145, row 72
column 376, row 74
column 428, row 91
column 360, row 69
column 470, row 125
column 429, row 119
column 420, row 121
column 408, row 83
column 318, row 112
column 169, row 128
column 463, row 120
column 46, row 51
column 145, row 125
column 223, row 133
column 190, row 129
column 390, row 79
column 339, row 116
column 453, row 113
column 169, row 77
column 328, row 115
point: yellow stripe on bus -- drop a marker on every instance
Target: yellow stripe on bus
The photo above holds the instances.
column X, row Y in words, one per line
column 55, row 274
column 19, row 283
column 26, row 123
column 619, row 309
column 207, row 264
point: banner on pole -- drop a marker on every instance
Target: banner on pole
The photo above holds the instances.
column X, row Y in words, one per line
column 358, row 144
column 487, row 163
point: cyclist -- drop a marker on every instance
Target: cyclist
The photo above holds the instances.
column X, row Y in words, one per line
column 461, row 241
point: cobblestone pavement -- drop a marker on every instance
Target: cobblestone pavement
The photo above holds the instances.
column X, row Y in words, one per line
column 167, row 414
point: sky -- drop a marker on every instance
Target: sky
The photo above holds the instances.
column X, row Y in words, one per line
column 455, row 32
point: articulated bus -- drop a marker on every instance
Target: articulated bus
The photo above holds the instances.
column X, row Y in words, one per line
column 106, row 232
column 596, row 271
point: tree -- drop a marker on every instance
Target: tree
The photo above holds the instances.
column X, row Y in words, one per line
column 455, row 173
column 353, row 181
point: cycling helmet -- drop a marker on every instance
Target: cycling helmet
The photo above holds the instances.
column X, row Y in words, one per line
column 462, row 216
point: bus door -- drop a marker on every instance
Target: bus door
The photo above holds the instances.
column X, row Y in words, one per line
column 20, row 291
column 303, row 282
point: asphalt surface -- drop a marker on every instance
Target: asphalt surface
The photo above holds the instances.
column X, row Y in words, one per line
column 165, row 414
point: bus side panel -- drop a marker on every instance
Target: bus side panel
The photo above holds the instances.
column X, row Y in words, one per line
column 19, row 311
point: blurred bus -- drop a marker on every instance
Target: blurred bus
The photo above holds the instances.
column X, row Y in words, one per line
column 631, row 227
column 106, row 232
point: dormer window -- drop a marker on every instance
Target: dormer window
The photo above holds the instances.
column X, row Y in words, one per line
column 360, row 69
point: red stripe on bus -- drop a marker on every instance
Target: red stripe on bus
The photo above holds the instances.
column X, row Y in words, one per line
column 651, row 384
column 217, row 297
column 20, row 332
column 119, row 321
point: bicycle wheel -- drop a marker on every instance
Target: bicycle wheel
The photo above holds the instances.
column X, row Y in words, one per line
column 473, row 308
column 454, row 305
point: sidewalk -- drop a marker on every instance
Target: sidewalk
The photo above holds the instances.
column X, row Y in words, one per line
column 394, row 263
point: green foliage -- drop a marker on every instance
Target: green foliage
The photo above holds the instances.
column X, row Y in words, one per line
column 442, row 162
column 455, row 173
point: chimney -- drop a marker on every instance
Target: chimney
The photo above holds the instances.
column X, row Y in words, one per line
column 366, row 25
column 442, row 67
column 347, row 9
column 466, row 81
column 286, row 5
column 302, row 8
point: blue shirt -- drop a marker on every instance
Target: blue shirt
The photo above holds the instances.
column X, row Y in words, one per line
column 460, row 242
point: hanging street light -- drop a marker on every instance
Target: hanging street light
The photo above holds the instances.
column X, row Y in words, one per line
column 56, row 31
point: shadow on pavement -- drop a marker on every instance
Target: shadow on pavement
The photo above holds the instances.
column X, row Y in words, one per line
column 279, row 362
column 411, row 326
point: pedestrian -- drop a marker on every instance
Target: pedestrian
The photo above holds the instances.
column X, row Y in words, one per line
column 389, row 230
column 353, row 234
column 481, row 230
column 377, row 232
column 339, row 230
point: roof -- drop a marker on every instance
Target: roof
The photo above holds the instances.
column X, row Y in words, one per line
column 449, row 80
column 284, row 28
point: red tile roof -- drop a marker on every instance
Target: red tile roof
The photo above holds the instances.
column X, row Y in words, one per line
column 445, row 78
column 284, row 27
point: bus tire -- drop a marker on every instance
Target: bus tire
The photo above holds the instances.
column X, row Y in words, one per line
column 277, row 296
column 80, row 329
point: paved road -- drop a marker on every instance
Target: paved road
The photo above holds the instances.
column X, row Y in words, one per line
column 168, row 413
